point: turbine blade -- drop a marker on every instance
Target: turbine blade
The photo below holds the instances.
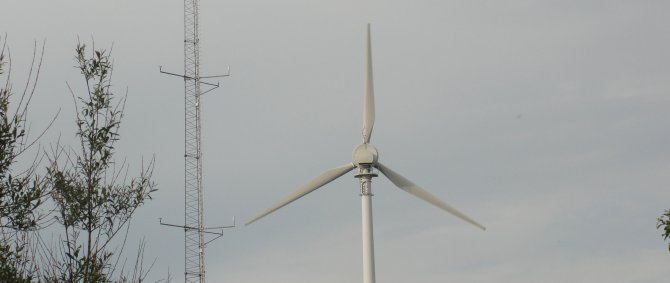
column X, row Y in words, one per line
column 325, row 178
column 407, row 185
column 369, row 101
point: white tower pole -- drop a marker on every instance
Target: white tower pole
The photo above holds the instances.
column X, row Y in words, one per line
column 365, row 176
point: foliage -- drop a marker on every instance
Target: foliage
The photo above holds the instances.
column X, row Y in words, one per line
column 86, row 190
column 10, row 262
column 664, row 223
column 20, row 193
column 94, row 200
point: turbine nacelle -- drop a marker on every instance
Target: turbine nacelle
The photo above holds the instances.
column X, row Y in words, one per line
column 366, row 155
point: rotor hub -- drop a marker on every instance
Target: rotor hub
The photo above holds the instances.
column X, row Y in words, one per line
column 365, row 154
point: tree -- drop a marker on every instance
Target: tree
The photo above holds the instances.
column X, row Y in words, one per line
column 664, row 222
column 88, row 191
column 22, row 193
column 94, row 198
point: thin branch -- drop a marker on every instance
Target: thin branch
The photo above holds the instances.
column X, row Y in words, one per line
column 53, row 120
column 37, row 76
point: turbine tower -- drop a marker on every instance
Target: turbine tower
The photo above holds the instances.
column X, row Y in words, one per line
column 365, row 158
column 194, row 228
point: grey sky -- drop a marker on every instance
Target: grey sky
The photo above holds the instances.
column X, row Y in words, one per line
column 544, row 120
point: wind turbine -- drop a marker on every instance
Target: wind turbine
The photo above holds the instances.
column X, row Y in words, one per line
column 365, row 158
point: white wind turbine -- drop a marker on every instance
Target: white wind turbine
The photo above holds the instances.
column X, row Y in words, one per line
column 365, row 158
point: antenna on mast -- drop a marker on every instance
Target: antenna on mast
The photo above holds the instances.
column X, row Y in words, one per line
column 194, row 228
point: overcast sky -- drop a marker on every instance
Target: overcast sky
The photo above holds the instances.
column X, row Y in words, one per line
column 547, row 121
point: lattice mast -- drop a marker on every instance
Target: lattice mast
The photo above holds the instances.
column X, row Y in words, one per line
column 194, row 250
column 194, row 228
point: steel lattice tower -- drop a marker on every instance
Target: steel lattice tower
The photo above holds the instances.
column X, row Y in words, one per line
column 194, row 250
column 194, row 228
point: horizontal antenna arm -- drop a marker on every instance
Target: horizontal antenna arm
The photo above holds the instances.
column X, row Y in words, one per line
column 218, row 76
column 160, row 68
